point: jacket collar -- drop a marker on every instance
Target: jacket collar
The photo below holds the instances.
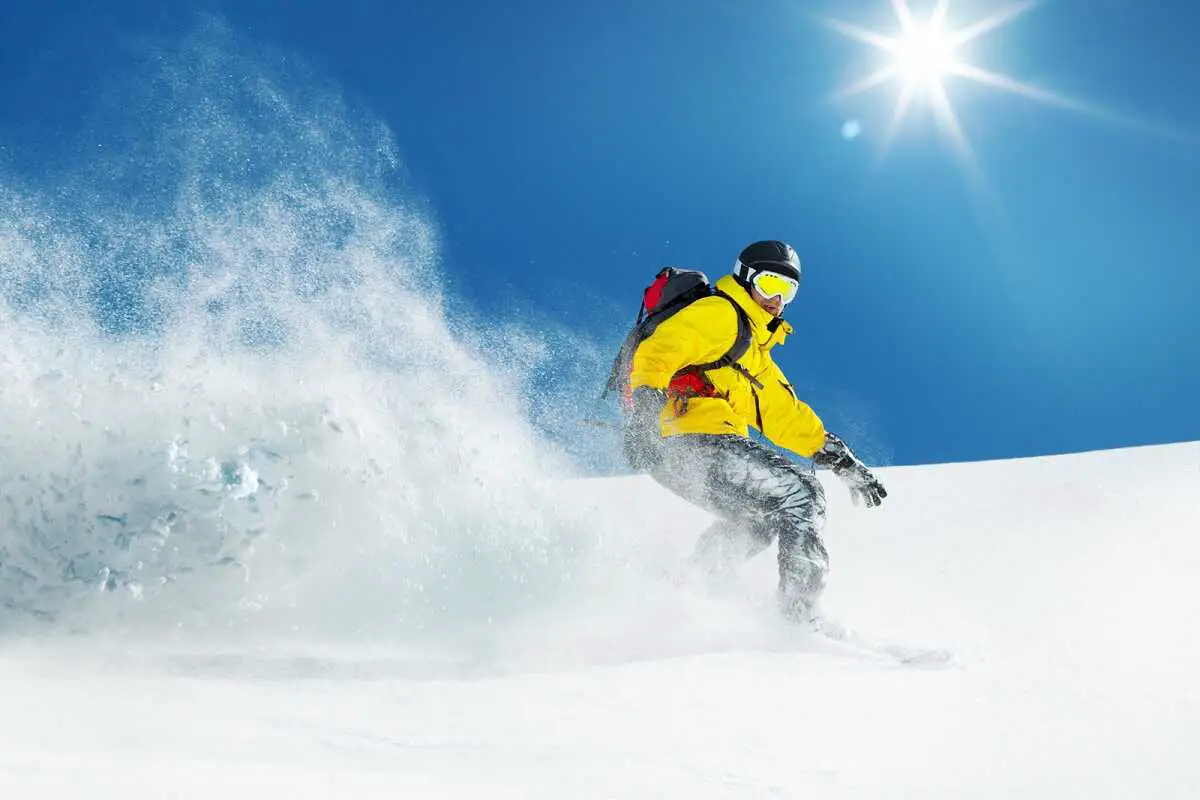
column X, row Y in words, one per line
column 760, row 318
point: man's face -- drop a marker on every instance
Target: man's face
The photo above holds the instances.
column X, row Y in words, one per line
column 772, row 305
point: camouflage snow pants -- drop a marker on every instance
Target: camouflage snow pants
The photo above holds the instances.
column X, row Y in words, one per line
column 758, row 496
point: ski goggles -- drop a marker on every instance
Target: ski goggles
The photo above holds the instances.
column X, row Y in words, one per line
column 772, row 284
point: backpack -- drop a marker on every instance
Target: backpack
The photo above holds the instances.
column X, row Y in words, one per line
column 672, row 291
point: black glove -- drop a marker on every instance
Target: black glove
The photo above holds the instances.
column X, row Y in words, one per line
column 838, row 458
column 640, row 433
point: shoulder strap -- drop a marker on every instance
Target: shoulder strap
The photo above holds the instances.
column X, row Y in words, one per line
column 741, row 344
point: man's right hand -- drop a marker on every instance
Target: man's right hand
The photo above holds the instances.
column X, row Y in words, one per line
column 640, row 433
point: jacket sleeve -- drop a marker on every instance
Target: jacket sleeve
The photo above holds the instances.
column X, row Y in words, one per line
column 786, row 420
column 702, row 332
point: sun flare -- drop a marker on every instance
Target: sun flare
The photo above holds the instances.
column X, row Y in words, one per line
column 924, row 55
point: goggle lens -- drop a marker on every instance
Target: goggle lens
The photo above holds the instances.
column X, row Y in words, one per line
column 772, row 284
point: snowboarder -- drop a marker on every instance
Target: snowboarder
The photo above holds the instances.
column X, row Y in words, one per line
column 688, row 417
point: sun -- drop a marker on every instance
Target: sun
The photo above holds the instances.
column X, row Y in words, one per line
column 925, row 55
column 922, row 58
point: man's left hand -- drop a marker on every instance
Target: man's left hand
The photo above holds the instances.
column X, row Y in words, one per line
column 640, row 435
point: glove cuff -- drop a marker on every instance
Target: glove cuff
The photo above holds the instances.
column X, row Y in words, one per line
column 835, row 455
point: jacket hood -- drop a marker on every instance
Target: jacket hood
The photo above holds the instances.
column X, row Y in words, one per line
column 760, row 318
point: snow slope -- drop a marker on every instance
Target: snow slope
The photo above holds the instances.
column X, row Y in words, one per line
column 1065, row 586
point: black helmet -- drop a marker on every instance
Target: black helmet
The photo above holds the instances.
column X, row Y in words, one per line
column 767, row 256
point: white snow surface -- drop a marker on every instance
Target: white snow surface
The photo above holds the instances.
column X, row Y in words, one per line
column 1064, row 585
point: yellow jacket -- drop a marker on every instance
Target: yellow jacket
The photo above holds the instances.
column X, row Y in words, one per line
column 705, row 331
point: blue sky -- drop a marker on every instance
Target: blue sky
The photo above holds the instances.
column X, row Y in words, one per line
column 568, row 149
